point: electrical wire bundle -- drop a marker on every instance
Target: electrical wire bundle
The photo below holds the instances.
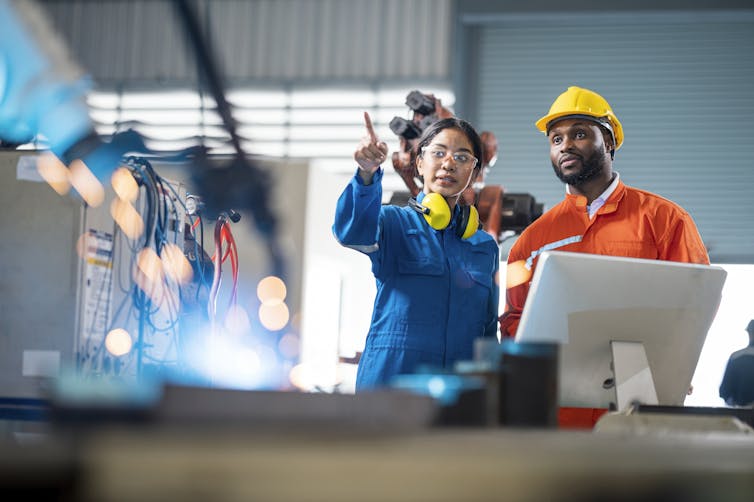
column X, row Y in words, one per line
column 154, row 292
column 159, row 270
column 224, row 240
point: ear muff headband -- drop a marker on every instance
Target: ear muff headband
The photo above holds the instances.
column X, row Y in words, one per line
column 436, row 211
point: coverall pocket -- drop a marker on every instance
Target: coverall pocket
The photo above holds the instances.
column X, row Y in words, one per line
column 421, row 266
column 631, row 249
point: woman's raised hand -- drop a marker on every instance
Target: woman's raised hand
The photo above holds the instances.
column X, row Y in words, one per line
column 371, row 151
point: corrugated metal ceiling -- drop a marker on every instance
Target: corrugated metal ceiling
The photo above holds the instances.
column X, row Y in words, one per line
column 120, row 41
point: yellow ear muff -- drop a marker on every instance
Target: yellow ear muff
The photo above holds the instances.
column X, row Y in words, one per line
column 473, row 224
column 436, row 211
column 439, row 211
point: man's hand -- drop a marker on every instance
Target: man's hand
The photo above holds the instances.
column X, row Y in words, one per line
column 371, row 152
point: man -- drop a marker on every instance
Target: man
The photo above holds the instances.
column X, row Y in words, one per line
column 600, row 214
column 737, row 387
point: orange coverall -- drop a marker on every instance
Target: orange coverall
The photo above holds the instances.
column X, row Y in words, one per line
column 632, row 223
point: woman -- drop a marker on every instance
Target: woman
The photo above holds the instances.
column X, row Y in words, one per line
column 437, row 287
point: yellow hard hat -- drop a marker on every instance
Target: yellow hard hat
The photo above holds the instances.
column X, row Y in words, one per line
column 580, row 102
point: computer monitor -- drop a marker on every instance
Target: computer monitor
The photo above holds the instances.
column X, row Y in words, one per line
column 622, row 323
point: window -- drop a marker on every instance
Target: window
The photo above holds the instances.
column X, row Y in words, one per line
column 285, row 122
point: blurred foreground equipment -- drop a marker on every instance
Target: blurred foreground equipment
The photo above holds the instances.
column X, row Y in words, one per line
column 43, row 95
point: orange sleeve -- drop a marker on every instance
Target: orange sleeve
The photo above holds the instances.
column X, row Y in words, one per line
column 515, row 298
column 517, row 280
column 684, row 243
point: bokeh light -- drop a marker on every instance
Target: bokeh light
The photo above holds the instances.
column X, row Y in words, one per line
column 149, row 264
column 54, row 172
column 175, row 264
column 517, row 273
column 148, row 275
column 274, row 315
column 86, row 184
column 118, row 342
column 300, row 376
column 271, row 288
column 127, row 217
column 124, row 184
column 82, row 245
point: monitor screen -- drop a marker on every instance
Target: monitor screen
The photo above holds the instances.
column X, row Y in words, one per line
column 584, row 302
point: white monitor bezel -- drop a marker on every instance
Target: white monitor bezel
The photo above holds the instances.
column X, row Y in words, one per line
column 585, row 301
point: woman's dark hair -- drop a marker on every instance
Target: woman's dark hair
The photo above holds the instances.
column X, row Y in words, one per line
column 453, row 123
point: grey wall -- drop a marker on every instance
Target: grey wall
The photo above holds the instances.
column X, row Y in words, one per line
column 679, row 79
column 39, row 265
column 38, row 273
column 471, row 16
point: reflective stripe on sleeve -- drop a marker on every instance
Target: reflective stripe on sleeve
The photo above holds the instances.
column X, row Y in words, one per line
column 550, row 246
column 371, row 248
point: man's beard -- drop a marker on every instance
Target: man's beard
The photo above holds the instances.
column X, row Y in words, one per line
column 591, row 168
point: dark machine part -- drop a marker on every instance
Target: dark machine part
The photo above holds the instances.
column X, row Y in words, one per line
column 194, row 296
column 409, row 130
column 425, row 111
column 423, row 107
column 237, row 182
column 405, row 128
column 516, row 210
column 420, row 103
column 519, row 211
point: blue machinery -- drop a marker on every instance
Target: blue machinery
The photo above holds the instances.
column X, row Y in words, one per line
column 43, row 94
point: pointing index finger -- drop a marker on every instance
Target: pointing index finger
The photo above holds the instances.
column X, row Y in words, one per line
column 370, row 128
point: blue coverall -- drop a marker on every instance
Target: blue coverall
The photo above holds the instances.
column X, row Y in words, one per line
column 436, row 292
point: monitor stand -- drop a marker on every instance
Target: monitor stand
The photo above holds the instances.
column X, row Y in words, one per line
column 633, row 377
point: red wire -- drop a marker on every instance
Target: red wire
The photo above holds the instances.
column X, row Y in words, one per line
column 233, row 252
column 223, row 238
column 223, row 234
column 217, row 276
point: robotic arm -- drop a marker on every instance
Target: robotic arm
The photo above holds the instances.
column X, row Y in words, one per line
column 42, row 90
column 43, row 93
column 499, row 212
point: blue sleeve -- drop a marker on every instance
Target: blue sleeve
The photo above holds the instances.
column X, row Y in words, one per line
column 357, row 214
column 492, row 326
